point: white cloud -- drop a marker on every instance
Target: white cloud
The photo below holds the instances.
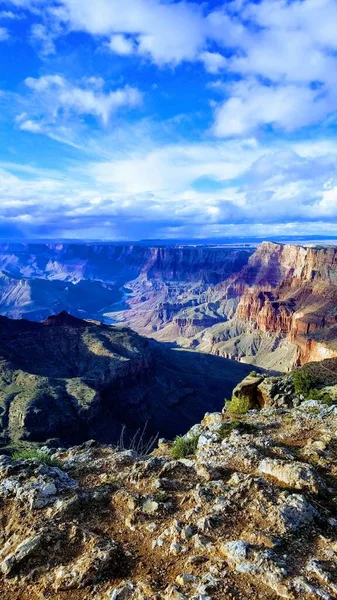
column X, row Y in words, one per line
column 279, row 62
column 284, row 52
column 285, row 55
column 29, row 125
column 43, row 38
column 167, row 33
column 4, row 34
column 58, row 94
column 164, row 32
column 152, row 192
column 8, row 14
column 252, row 104
column 213, row 61
column 122, row 45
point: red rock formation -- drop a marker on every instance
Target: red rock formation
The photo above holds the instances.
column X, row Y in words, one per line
column 292, row 290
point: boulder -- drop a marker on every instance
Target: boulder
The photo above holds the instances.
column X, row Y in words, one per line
column 299, row 476
column 248, row 388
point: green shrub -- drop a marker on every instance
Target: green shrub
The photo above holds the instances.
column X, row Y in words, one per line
column 184, row 446
column 238, row 405
column 314, row 394
column 226, row 428
column 37, row 455
column 327, row 399
column 303, row 383
column 253, row 374
column 161, row 497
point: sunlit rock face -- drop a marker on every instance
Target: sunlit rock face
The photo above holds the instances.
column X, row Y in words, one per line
column 277, row 311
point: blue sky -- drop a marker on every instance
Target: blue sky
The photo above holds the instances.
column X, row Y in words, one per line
column 155, row 118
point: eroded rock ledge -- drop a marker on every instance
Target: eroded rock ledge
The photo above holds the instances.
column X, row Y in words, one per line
column 252, row 515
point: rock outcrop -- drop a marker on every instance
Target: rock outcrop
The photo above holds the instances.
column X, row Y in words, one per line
column 319, row 379
column 252, row 514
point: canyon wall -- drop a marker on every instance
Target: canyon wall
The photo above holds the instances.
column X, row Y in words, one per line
column 277, row 311
column 273, row 307
column 37, row 280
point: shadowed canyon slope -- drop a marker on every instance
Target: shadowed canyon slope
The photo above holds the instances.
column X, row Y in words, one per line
column 273, row 307
column 72, row 379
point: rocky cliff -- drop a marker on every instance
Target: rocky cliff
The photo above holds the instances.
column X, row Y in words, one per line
column 72, row 379
column 292, row 292
column 247, row 510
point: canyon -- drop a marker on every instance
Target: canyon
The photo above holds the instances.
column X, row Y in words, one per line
column 273, row 306
column 95, row 498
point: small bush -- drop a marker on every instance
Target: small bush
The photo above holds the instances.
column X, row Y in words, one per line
column 327, row 399
column 314, row 394
column 253, row 374
column 313, row 410
column 226, row 428
column 161, row 497
column 303, row 383
column 238, row 405
column 184, row 446
column 37, row 455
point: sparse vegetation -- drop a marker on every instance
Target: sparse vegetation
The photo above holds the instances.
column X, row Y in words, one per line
column 226, row 428
column 313, row 393
column 303, row 383
column 161, row 497
column 184, row 446
column 33, row 454
column 327, row 399
column 253, row 374
column 238, row 405
column 139, row 442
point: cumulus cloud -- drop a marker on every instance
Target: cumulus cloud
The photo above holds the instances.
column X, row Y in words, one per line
column 275, row 65
column 120, row 44
column 284, row 53
column 213, row 61
column 164, row 32
column 58, row 94
column 252, row 104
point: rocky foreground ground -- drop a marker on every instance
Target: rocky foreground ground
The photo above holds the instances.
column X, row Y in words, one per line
column 252, row 514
